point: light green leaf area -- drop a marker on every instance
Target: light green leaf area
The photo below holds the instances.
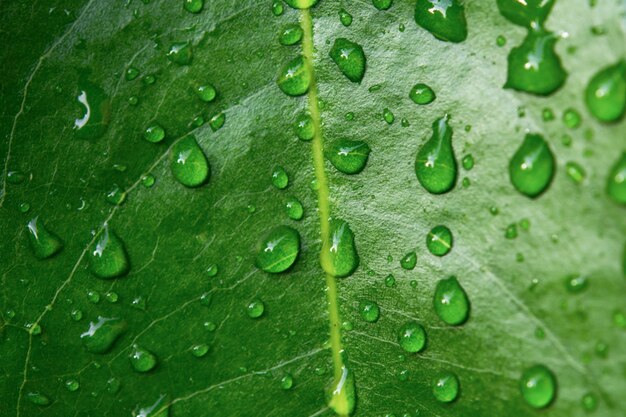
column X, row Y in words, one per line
column 178, row 288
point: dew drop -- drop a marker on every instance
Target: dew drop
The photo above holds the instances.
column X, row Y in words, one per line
column 290, row 35
column 339, row 256
column 348, row 156
column 369, row 311
column 76, row 315
column 468, row 162
column 511, row 231
column 532, row 166
column 409, row 261
column 294, row 78
column 96, row 107
column 451, row 302
column 571, row 118
column 390, row 281
column 206, row 92
column 217, row 120
column 286, row 382
column 107, row 255
column 439, row 240
column 304, row 127
column 115, row 195
column 15, row 177
column 412, row 337
column 446, row 387
column 148, row 180
column 43, row 242
column 280, row 179
column 616, row 182
column 528, row 13
column 294, row 208
column 575, row 172
column 589, row 402
column 345, row 18
column 131, row 73
column 341, row 396
column 388, row 116
column 180, row 53
column 200, row 350
column 538, row 386
column 350, row 58
column 101, row 335
column 193, row 6
column 38, row 398
column 422, row 94
column 445, row 19
column 435, row 165
column 72, row 384
column 188, row 163
column 255, row 308
column 142, row 360
column 382, row 4
column 605, row 95
column 278, row 250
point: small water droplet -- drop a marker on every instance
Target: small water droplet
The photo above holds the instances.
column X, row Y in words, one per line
column 538, row 386
column 43, row 242
column 468, row 162
column 217, row 120
column 101, row 335
column 435, row 165
column 616, row 182
column 348, row 156
column 500, row 41
column 76, row 315
column 115, row 195
column 589, row 402
column 154, row 133
column 206, row 92
column 528, row 13
column 131, row 73
column 280, row 179
column 605, row 95
column 412, row 337
column 294, row 208
column 294, row 77
column 422, row 94
column 511, row 231
column 72, row 384
column 160, row 408
column 409, row 261
column 451, row 302
column 255, row 308
column 445, row 19
column 200, row 350
column 141, row 359
column 571, row 118
column 390, row 281
column 345, row 18
column 575, row 172
column 15, row 177
column 446, row 387
column 290, row 35
column 277, row 8
column 439, row 240
column 350, row 58
column 96, row 110
column 38, row 398
column 388, row 116
column 339, row 256
column 107, row 255
column 188, row 163
column 193, row 6
column 304, row 127
column 532, row 166
column 382, row 4
column 180, row 53
column 286, row 382
column 369, row 311
column 148, row 180
column 278, row 250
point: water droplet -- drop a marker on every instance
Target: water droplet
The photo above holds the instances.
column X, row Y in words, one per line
column 605, row 95
column 445, row 19
column 576, row 283
column 619, row 319
column 200, row 350
column 212, row 270
column 589, row 402
column 547, row 114
column 446, row 387
column 206, row 92
column 115, row 195
column 345, row 18
column 180, row 53
column 538, row 386
column 575, row 172
column 616, row 182
column 286, row 382
column 290, row 35
column 72, row 384
column 601, row 349
column 500, row 41
column 142, row 360
column 304, row 127
column 350, row 58
column 301, row 4
column 528, row 13
column 278, row 250
column 435, row 165
column 255, row 308
column 193, row 6
column 149, row 79
column 439, row 240
column 280, row 179
column 294, row 78
column 96, row 107
column 277, row 7
column 534, row 67
column 188, row 163
column 422, row 94
column 38, row 398
column 348, row 156
column 382, row 4
column 131, row 73
column 107, row 256
column 295, row 211
column 511, row 231
column 341, row 396
column 76, row 315
column 571, row 118
column 43, row 242
column 388, row 116
column 412, row 337
column 93, row 296
column 217, row 120
column 339, row 257
column 390, row 281
column 369, row 311
column 33, row 328
column 451, row 302
column 532, row 166
column 111, row 297
column 101, row 335
column 154, row 133
column 409, row 261
column 148, row 180
column 15, row 177
column 160, row 408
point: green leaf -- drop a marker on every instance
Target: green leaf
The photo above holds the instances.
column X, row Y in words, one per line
column 191, row 319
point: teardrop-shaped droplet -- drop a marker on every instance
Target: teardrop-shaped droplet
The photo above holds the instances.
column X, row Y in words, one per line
column 280, row 178
column 278, row 250
column 451, row 302
column 369, row 311
column 290, row 35
column 188, row 163
column 422, row 94
column 294, row 78
column 180, row 53
column 341, row 396
column 412, row 337
column 382, row 4
column 409, row 261
column 439, row 240
column 200, row 350
column 38, row 398
column 532, row 166
column 101, row 335
column 435, row 165
column 301, row 4
column 538, row 385
column 96, row 110
column 616, row 182
column 527, row 13
column 575, row 172
column 107, row 255
column 445, row 19
column 446, row 387
column 43, row 242
column 345, row 18
column 350, row 59
column 605, row 95
column 305, row 129
column 142, row 360
column 295, row 211
column 339, row 256
column 348, row 156
column 534, row 66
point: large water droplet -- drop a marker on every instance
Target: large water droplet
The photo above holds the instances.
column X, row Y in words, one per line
column 605, row 95
column 532, row 166
column 294, row 78
column 101, row 335
column 278, row 250
column 339, row 257
column 538, row 386
column 107, row 255
column 412, row 337
column 616, row 182
column 534, row 67
column 96, row 110
column 341, row 397
column 451, row 302
column 43, row 242
column 446, row 387
column 350, row 58
column 142, row 360
column 348, row 156
column 527, row 13
column 445, row 19
column 188, row 163
column 435, row 165
column 439, row 240
column 180, row 53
